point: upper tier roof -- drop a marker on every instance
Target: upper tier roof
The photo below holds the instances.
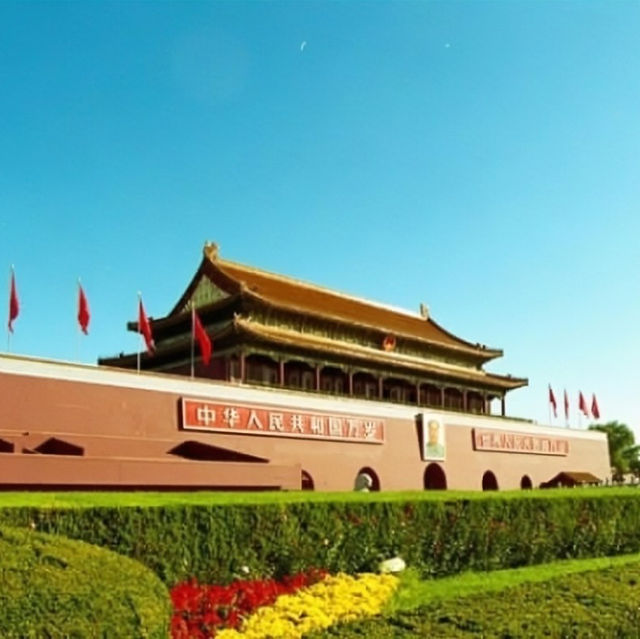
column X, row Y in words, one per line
column 309, row 298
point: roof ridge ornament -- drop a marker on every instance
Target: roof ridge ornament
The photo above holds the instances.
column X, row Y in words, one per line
column 424, row 311
column 210, row 251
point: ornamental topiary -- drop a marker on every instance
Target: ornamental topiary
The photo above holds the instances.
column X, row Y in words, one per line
column 56, row 587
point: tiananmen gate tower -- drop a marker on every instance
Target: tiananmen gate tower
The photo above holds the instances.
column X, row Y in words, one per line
column 307, row 388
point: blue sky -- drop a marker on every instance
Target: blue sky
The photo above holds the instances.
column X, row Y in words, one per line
column 481, row 157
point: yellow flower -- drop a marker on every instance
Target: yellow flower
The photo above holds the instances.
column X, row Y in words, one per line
column 335, row 599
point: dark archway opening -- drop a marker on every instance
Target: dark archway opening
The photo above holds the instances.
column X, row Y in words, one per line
column 367, row 479
column 434, row 478
column 489, row 481
column 525, row 483
column 307, row 481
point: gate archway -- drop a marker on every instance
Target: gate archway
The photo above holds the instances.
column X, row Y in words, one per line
column 489, row 481
column 367, row 479
column 434, row 478
column 525, row 483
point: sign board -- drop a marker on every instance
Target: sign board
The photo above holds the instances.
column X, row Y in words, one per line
column 253, row 419
column 506, row 442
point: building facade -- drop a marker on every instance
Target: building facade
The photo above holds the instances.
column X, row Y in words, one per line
column 307, row 388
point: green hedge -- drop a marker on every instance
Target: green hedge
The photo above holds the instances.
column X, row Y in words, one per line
column 56, row 587
column 438, row 536
column 602, row 604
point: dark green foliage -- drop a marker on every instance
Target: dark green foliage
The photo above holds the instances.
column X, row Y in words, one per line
column 623, row 452
column 601, row 604
column 214, row 543
column 53, row 587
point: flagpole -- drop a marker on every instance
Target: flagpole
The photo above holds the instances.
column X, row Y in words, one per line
column 139, row 332
column 579, row 416
column 193, row 311
column 11, row 274
column 78, row 330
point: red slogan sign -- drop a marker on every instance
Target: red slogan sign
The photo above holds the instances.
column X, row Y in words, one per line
column 258, row 420
column 496, row 440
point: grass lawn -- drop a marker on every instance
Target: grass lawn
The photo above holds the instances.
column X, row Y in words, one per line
column 415, row 592
column 597, row 598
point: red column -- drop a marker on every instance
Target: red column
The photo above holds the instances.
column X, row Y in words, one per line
column 350, row 377
column 442, row 396
column 380, row 387
column 281, row 372
column 318, row 378
column 465, row 403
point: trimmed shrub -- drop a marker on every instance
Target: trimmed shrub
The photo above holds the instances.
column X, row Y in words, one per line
column 56, row 587
column 600, row 604
column 218, row 543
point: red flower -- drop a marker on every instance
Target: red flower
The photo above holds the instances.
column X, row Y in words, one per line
column 201, row 610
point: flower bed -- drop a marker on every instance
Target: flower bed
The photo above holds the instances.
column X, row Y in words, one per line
column 200, row 610
column 334, row 600
column 266, row 608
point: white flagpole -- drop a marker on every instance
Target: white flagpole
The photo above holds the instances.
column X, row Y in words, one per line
column 193, row 323
column 579, row 413
column 139, row 331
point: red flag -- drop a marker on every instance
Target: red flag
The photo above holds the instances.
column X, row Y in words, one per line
column 582, row 405
column 204, row 340
column 552, row 400
column 83, row 310
column 144, row 328
column 595, row 411
column 14, row 305
column 566, row 404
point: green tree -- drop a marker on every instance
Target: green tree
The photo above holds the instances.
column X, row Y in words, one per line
column 623, row 452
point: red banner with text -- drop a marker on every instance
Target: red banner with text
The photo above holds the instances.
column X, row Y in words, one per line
column 505, row 442
column 250, row 419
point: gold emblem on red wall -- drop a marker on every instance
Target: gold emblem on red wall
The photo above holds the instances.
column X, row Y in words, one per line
column 389, row 343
